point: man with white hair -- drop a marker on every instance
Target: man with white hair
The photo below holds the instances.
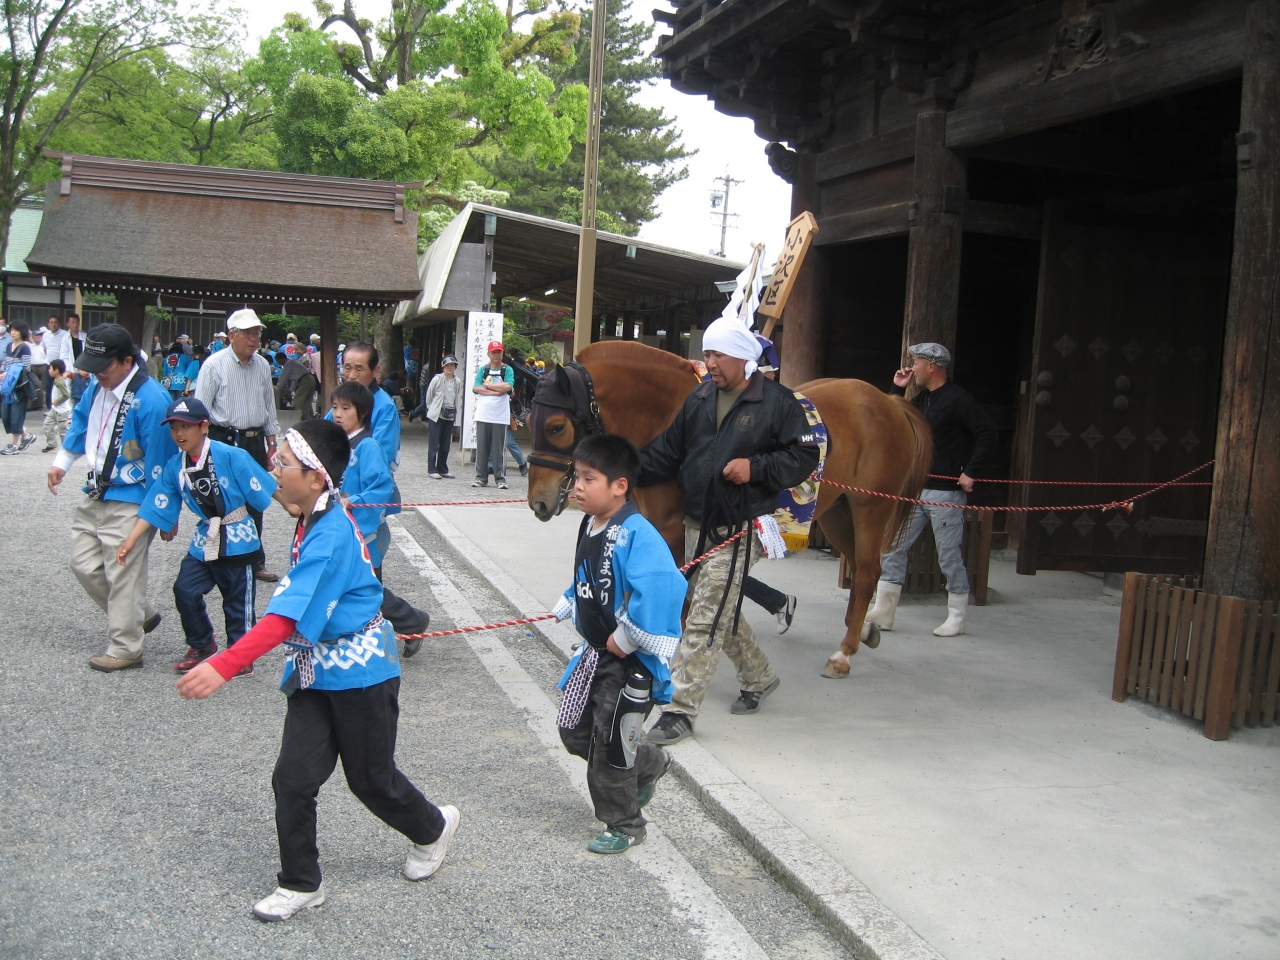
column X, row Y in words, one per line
column 235, row 385
column 739, row 441
column 963, row 438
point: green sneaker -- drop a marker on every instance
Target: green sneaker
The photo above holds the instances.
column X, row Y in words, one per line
column 645, row 793
column 614, row 841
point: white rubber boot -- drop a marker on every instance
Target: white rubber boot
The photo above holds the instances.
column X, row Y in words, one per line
column 885, row 604
column 953, row 626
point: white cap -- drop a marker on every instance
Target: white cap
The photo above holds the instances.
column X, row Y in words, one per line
column 315, row 338
column 291, row 336
column 244, row 319
column 342, row 346
column 220, row 334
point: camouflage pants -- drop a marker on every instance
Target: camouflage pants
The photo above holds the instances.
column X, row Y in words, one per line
column 695, row 663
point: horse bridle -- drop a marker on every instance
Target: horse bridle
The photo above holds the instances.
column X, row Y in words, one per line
column 584, row 413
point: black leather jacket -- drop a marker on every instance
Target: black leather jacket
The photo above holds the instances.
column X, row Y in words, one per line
column 767, row 426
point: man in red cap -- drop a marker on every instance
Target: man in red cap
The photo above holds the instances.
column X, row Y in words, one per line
column 492, row 388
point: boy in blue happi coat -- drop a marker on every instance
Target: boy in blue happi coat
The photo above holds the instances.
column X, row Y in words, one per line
column 625, row 601
column 342, row 679
column 220, row 484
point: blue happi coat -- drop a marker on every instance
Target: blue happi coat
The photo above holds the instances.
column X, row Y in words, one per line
column 649, row 590
column 333, row 594
column 368, row 480
column 384, row 423
column 145, row 442
column 242, row 482
column 179, row 369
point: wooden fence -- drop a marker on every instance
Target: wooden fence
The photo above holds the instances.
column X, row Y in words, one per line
column 1214, row 659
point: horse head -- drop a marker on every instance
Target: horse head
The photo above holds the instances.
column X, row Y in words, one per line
column 564, row 411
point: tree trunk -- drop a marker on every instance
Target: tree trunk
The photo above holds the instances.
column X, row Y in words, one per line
column 7, row 206
column 389, row 340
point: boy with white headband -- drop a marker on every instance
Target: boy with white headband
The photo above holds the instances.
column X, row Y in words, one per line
column 220, row 484
column 342, row 679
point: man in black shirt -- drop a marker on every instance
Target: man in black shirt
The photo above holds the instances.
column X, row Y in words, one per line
column 963, row 439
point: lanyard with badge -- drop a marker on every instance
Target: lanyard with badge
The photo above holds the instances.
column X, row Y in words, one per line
column 101, row 479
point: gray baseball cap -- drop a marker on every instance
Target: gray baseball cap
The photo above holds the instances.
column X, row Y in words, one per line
column 933, row 352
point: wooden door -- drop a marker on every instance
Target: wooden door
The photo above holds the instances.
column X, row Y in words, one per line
column 1124, row 386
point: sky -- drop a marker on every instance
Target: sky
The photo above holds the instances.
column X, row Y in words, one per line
column 723, row 144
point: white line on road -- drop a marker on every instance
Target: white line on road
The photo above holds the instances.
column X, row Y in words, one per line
column 723, row 934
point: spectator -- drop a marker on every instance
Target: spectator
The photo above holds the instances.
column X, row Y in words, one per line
column 39, row 369
column 440, row 401
column 118, row 429
column 72, row 347
column 175, row 368
column 737, row 442
column 5, row 337
column 59, row 415
column 219, row 341
column 54, row 339
column 494, row 383
column 15, row 374
column 235, row 386
column 963, row 438
column 198, row 357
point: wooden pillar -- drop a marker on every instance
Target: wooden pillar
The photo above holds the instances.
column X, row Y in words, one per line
column 937, row 226
column 673, row 330
column 1242, row 556
column 628, row 324
column 804, row 328
column 328, row 313
column 131, row 313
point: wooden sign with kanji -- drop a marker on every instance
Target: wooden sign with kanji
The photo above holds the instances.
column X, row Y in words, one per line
column 800, row 233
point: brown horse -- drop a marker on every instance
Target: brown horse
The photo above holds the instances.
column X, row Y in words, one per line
column 876, row 442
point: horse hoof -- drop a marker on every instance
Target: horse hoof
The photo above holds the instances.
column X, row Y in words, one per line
column 835, row 670
column 872, row 638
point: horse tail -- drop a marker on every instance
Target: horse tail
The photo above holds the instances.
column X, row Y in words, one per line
column 917, row 472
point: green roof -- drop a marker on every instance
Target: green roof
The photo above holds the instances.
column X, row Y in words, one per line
column 23, row 227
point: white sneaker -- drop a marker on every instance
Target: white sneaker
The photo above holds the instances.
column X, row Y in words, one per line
column 425, row 858
column 283, row 904
column 434, row 476
column 786, row 615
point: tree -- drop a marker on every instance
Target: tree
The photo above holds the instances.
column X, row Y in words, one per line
column 420, row 89
column 64, row 45
column 640, row 149
column 154, row 107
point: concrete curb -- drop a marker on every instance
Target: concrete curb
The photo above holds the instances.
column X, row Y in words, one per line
column 865, row 925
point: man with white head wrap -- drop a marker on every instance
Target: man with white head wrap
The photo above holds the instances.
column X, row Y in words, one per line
column 739, row 441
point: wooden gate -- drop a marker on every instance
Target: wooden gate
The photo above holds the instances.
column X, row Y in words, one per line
column 1124, row 387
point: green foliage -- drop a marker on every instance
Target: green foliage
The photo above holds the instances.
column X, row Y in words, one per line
column 640, row 149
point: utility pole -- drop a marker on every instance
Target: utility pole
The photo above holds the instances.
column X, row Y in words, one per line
column 584, row 302
column 720, row 199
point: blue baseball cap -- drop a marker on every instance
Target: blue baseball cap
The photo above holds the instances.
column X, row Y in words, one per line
column 186, row 410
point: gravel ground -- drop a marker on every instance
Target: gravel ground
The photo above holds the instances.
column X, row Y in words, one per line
column 140, row 825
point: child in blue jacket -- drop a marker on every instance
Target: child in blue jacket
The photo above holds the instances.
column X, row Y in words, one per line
column 342, row 679
column 625, row 601
column 220, row 484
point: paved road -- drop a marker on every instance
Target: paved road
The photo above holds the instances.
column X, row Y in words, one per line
column 139, row 825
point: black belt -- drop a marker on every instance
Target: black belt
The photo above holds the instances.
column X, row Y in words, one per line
column 248, row 434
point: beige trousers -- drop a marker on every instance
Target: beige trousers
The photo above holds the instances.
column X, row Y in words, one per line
column 695, row 663
column 98, row 527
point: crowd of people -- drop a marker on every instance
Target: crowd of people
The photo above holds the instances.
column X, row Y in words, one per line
column 205, row 436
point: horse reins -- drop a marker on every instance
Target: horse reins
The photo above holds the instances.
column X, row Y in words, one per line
column 584, row 414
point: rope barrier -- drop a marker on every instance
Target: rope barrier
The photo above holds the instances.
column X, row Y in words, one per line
column 1080, row 483
column 546, row 616
column 1125, row 505
column 444, row 503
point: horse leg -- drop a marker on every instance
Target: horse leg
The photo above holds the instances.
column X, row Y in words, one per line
column 869, row 523
column 837, row 524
